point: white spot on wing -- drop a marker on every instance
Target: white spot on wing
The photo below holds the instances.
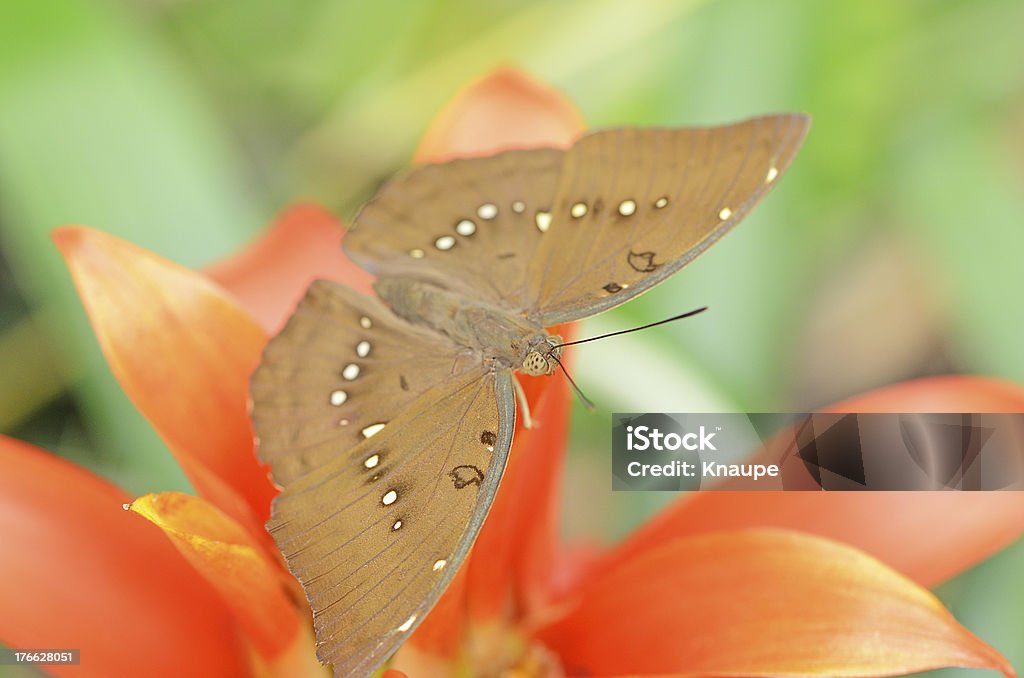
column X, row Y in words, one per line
column 627, row 208
column 338, row 398
column 661, row 202
column 389, row 498
column 372, row 430
column 363, row 349
column 772, row 173
column 397, row 525
column 407, row 624
column 543, row 221
column 439, row 565
column 372, row 461
column 445, row 242
column 487, row 211
column 578, row 210
column 519, row 207
column 725, row 214
column 465, row 227
column 365, row 323
column 416, row 253
column 351, row 371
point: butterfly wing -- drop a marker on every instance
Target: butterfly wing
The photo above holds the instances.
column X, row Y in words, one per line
column 573, row 233
column 634, row 205
column 470, row 225
column 375, row 526
column 341, row 365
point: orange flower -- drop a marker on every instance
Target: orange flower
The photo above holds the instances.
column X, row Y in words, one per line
column 705, row 588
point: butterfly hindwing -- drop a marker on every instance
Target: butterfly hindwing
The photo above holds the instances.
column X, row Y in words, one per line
column 376, row 535
column 342, row 363
column 634, row 205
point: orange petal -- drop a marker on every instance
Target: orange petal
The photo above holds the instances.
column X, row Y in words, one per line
column 233, row 562
column 183, row 350
column 760, row 603
column 929, row 536
column 504, row 109
column 77, row 571
column 271, row 275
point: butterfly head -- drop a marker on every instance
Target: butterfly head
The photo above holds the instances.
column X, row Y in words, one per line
column 542, row 354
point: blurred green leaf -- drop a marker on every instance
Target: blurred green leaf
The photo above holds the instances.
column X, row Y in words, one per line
column 98, row 126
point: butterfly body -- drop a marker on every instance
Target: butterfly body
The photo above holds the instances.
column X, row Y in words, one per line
column 501, row 338
column 388, row 420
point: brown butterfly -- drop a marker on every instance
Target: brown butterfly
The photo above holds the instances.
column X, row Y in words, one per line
column 388, row 420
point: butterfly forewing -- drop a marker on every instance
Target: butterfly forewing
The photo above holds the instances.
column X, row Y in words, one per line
column 469, row 225
column 376, row 534
column 634, row 205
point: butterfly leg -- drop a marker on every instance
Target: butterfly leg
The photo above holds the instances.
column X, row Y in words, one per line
column 521, row 397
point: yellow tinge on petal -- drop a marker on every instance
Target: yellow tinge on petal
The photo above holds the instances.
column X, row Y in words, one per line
column 224, row 552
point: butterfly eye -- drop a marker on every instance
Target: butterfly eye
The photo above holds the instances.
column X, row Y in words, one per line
column 534, row 364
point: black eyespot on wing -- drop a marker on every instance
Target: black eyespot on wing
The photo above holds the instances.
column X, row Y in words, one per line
column 488, row 438
column 642, row 262
column 464, row 475
column 613, row 287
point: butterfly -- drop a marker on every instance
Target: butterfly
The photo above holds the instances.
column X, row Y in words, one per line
column 388, row 420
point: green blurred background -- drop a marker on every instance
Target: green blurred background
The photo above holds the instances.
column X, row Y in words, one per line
column 892, row 249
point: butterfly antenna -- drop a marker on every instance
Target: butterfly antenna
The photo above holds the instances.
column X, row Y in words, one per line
column 633, row 329
column 587, row 402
